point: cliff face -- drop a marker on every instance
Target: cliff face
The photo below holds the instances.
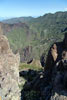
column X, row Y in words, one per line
column 38, row 86
column 9, row 73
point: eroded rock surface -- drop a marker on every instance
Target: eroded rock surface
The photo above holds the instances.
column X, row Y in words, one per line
column 9, row 72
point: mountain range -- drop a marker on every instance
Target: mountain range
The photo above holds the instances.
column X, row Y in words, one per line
column 32, row 37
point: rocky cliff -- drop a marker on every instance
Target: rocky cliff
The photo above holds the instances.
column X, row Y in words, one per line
column 9, row 73
column 38, row 87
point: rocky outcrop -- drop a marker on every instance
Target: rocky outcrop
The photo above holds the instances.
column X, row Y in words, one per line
column 56, row 89
column 9, row 73
column 26, row 54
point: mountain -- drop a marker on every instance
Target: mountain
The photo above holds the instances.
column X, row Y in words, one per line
column 33, row 36
column 18, row 20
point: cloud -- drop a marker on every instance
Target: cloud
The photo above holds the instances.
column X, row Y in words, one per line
column 65, row 9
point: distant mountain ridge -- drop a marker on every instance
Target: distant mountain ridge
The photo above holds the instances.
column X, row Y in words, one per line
column 17, row 20
column 33, row 36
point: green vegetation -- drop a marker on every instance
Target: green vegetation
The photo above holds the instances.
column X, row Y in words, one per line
column 18, row 38
column 28, row 66
column 18, row 20
column 31, row 95
column 39, row 33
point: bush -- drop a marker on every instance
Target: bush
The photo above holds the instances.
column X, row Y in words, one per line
column 31, row 95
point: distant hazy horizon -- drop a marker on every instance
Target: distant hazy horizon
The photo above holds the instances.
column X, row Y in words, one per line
column 5, row 18
column 34, row 8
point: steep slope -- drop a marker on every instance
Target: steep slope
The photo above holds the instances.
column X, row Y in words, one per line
column 20, row 37
column 50, row 23
column 35, row 36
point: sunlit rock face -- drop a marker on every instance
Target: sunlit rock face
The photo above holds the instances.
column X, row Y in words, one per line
column 9, row 72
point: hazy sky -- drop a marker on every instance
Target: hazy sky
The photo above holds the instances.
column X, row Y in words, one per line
column 17, row 8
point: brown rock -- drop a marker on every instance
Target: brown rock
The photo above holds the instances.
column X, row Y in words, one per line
column 9, row 73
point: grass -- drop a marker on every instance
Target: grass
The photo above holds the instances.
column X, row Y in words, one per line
column 24, row 66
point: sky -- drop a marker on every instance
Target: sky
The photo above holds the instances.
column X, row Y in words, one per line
column 35, row 8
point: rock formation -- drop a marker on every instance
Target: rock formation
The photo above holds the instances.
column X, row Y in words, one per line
column 56, row 89
column 9, row 73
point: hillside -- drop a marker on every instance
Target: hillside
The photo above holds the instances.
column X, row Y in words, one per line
column 32, row 37
column 18, row 20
